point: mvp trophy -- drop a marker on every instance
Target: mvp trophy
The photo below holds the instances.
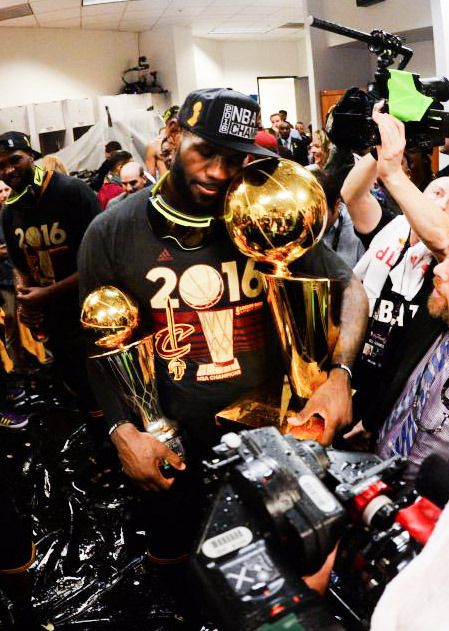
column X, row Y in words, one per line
column 112, row 317
column 276, row 211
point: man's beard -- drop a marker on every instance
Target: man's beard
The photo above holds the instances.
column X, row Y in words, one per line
column 25, row 180
column 438, row 308
column 211, row 207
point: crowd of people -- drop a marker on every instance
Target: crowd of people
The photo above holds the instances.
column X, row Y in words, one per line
column 155, row 232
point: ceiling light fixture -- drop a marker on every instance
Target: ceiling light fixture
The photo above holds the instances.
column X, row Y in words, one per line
column 239, row 30
column 89, row 3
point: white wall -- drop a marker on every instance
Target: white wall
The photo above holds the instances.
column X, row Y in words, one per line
column 41, row 65
column 237, row 64
column 185, row 61
column 159, row 48
column 243, row 62
column 208, row 57
column 170, row 51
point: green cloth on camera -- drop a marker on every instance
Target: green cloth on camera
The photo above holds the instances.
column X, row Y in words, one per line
column 405, row 102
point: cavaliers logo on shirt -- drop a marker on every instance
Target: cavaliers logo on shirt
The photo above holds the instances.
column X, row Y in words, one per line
column 205, row 333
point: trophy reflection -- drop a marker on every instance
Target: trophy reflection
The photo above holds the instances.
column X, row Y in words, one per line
column 112, row 317
column 275, row 212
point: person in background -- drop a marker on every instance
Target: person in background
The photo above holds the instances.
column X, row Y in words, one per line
column 24, row 363
column 444, row 150
column 420, row 165
column 133, row 179
column 264, row 139
column 339, row 235
column 112, row 185
column 153, row 159
column 17, row 555
column 276, row 120
column 53, row 163
column 44, row 220
column 110, row 148
column 290, row 146
column 320, row 149
column 283, row 115
column 14, row 386
column 415, row 417
column 168, row 150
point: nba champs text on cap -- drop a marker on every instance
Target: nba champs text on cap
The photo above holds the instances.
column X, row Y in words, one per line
column 223, row 117
column 238, row 121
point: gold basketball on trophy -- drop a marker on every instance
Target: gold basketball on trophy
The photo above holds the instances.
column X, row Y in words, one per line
column 111, row 316
column 275, row 211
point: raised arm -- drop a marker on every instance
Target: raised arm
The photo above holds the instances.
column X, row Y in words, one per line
column 424, row 211
column 363, row 207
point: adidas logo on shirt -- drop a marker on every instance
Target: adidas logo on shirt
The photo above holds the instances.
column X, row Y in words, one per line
column 165, row 256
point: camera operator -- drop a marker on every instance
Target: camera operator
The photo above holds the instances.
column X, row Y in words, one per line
column 397, row 275
column 417, row 597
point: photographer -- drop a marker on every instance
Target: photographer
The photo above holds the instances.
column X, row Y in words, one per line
column 397, row 275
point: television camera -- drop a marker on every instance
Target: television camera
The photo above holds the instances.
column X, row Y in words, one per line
column 278, row 508
column 415, row 101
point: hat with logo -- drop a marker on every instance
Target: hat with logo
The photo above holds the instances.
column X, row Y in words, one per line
column 16, row 140
column 223, row 117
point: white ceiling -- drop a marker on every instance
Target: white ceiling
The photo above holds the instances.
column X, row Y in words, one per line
column 202, row 16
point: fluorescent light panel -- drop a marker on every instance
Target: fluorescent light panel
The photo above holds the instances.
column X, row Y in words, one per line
column 239, row 30
column 89, row 3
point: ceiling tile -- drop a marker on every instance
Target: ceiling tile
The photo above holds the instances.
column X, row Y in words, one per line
column 148, row 4
column 103, row 9
column 201, row 16
column 100, row 22
column 40, row 6
column 187, row 9
column 67, row 23
column 262, row 11
column 58, row 15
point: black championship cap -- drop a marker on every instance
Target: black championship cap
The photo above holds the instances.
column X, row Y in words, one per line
column 223, row 117
column 15, row 140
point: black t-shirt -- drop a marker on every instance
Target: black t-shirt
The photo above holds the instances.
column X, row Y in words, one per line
column 216, row 307
column 43, row 233
column 370, row 381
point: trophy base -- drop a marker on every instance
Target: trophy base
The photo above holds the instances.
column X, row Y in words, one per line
column 262, row 407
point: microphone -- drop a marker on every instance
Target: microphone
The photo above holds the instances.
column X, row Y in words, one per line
column 432, row 480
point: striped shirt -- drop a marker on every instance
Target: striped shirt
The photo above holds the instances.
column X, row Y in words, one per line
column 434, row 413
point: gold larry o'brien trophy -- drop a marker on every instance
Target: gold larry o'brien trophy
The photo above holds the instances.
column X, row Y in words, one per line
column 276, row 211
column 111, row 317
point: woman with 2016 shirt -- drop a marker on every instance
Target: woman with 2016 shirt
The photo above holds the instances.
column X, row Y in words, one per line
column 172, row 247
column 396, row 271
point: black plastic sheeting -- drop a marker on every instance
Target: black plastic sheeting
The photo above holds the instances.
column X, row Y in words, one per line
column 91, row 571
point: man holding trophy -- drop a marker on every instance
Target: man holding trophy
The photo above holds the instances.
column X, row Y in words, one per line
column 200, row 298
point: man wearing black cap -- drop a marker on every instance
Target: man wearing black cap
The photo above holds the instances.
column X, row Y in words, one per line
column 214, row 339
column 44, row 220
